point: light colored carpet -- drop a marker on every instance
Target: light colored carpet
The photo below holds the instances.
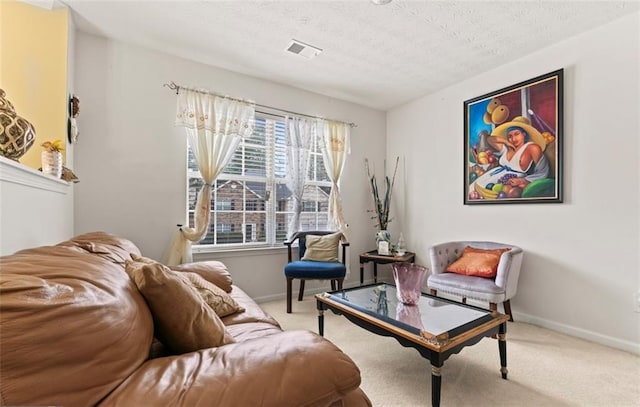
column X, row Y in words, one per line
column 546, row 368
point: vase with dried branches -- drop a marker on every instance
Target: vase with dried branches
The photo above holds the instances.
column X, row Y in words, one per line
column 382, row 205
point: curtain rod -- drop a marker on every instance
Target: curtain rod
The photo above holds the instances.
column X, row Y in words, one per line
column 177, row 88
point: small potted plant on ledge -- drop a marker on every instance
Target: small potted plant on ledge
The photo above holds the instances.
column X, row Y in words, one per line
column 52, row 158
column 382, row 207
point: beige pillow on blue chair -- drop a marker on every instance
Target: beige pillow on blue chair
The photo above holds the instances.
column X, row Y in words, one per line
column 322, row 248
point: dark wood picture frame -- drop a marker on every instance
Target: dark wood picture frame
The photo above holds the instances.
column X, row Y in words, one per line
column 513, row 143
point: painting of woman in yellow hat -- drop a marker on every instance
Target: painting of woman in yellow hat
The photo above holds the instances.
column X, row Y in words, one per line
column 520, row 148
column 511, row 159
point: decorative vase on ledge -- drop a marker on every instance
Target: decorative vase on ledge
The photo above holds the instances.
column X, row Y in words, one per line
column 16, row 133
column 52, row 163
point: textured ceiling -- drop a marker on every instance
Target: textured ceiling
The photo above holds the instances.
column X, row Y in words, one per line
column 377, row 56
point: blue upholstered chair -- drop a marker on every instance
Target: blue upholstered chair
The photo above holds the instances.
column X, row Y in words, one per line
column 303, row 270
column 492, row 290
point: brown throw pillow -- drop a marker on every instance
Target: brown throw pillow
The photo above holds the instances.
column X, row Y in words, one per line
column 322, row 248
column 215, row 296
column 218, row 300
column 477, row 262
column 213, row 271
column 183, row 321
column 142, row 259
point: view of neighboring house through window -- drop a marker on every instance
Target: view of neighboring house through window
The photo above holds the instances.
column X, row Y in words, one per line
column 250, row 203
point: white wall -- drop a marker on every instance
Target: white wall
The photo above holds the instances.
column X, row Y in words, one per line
column 132, row 161
column 35, row 209
column 581, row 267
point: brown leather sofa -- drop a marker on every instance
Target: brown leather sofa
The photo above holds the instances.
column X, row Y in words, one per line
column 75, row 331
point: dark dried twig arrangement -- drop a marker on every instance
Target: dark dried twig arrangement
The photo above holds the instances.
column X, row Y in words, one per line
column 382, row 207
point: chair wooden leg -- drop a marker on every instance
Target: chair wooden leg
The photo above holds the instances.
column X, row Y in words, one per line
column 433, row 292
column 507, row 309
column 333, row 285
column 301, row 293
column 289, row 284
column 340, row 281
column 464, row 300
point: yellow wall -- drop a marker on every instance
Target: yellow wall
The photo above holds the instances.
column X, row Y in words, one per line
column 33, row 70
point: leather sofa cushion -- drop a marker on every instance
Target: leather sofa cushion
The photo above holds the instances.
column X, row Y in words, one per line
column 183, row 321
column 252, row 313
column 252, row 330
column 73, row 325
column 110, row 247
column 291, row 368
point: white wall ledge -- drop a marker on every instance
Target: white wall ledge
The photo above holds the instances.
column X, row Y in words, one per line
column 13, row 171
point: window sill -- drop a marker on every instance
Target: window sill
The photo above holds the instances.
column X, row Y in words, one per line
column 205, row 251
column 14, row 172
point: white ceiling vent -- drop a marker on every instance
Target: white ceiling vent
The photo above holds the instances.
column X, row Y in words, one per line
column 302, row 49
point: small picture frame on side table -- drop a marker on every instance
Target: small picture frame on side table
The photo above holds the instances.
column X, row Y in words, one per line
column 383, row 248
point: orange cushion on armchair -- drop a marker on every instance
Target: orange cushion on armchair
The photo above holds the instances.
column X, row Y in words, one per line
column 477, row 262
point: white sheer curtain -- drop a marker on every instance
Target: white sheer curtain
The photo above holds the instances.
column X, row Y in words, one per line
column 335, row 147
column 214, row 127
column 299, row 132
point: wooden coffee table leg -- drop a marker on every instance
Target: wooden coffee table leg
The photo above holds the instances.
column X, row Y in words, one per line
column 436, row 383
column 320, row 318
column 502, row 346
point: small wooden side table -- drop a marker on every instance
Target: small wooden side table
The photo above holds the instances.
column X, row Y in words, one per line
column 376, row 258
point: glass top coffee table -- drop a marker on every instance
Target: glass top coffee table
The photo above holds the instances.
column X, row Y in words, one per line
column 436, row 327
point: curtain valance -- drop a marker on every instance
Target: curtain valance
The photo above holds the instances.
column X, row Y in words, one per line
column 220, row 115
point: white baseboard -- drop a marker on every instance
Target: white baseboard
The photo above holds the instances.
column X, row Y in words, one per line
column 590, row 336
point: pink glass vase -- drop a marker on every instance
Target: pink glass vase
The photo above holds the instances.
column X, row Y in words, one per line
column 409, row 278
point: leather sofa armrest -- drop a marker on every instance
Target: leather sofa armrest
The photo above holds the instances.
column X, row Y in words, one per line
column 295, row 368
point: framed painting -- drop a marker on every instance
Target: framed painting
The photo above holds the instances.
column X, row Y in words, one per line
column 513, row 143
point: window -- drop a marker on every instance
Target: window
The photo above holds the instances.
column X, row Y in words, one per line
column 224, row 205
column 250, row 202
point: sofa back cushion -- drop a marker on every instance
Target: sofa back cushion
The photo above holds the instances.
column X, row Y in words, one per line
column 73, row 324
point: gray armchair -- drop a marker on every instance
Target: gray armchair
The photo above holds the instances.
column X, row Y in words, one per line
column 498, row 290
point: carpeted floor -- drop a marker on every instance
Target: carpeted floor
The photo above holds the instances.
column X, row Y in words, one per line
column 546, row 368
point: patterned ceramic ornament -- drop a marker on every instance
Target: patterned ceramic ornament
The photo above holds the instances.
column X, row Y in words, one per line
column 16, row 134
